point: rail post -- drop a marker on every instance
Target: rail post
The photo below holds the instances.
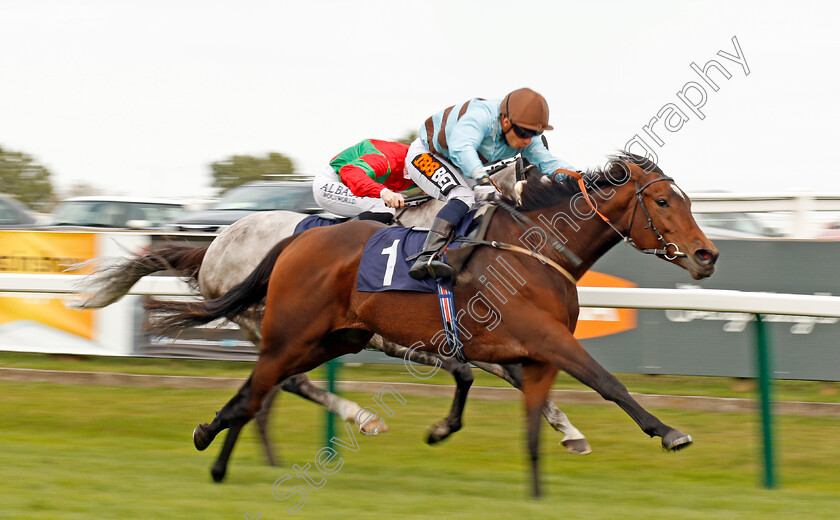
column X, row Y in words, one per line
column 764, row 374
column 329, row 429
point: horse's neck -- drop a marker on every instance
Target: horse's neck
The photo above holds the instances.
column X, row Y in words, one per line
column 421, row 215
column 588, row 238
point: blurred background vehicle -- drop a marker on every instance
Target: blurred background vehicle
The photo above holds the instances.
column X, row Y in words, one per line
column 115, row 212
column 831, row 231
column 244, row 200
column 734, row 225
column 13, row 214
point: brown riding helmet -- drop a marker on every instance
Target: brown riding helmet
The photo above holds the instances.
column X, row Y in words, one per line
column 527, row 109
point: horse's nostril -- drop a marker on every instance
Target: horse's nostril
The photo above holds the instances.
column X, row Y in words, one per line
column 704, row 256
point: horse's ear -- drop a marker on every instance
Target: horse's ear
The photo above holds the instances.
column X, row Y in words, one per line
column 531, row 172
column 520, row 164
column 636, row 172
column 528, row 174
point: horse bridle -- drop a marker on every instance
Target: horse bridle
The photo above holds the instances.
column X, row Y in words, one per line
column 639, row 201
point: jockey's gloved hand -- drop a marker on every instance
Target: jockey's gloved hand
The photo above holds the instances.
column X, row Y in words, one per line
column 483, row 179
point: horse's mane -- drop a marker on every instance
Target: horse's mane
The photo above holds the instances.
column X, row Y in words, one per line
column 537, row 194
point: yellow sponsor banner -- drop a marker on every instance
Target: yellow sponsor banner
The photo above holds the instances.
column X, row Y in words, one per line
column 602, row 322
column 45, row 253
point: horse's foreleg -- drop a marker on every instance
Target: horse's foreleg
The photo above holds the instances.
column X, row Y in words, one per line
column 537, row 379
column 573, row 440
column 572, row 358
column 463, row 380
column 344, row 408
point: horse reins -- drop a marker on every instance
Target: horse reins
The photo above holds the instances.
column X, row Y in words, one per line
column 516, row 249
column 639, row 201
column 523, row 219
column 410, row 202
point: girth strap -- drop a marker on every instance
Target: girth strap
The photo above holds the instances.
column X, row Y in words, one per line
column 450, row 321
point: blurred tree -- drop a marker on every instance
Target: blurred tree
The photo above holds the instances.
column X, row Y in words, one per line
column 77, row 189
column 81, row 189
column 26, row 180
column 240, row 169
column 408, row 139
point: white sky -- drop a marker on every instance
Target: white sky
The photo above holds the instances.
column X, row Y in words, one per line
column 138, row 98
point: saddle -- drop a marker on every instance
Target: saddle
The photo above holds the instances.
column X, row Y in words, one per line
column 389, row 254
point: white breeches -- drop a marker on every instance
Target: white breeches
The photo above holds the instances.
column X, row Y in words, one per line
column 332, row 195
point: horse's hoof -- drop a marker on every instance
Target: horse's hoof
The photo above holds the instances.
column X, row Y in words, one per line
column 676, row 440
column 200, row 437
column 218, row 475
column 374, row 427
column 437, row 432
column 577, row 446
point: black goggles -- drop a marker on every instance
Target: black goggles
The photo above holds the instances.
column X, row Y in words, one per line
column 525, row 132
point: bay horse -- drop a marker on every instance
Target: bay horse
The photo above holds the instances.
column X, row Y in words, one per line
column 314, row 312
column 238, row 249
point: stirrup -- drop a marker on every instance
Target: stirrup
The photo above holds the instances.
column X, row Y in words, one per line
column 437, row 268
column 430, row 267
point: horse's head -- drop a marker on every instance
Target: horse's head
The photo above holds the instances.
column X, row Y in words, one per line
column 655, row 214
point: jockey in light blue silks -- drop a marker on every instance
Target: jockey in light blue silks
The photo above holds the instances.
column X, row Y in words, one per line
column 460, row 142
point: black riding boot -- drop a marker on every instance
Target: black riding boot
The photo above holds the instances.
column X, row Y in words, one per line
column 428, row 264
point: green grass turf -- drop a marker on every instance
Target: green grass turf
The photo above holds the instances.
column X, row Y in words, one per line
column 658, row 384
column 85, row 452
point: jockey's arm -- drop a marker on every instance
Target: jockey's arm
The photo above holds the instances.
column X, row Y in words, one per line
column 359, row 175
column 464, row 141
column 548, row 164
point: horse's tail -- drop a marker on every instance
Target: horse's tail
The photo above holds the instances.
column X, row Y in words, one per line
column 171, row 316
column 109, row 284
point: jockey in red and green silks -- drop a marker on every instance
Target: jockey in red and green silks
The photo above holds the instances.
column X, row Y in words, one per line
column 364, row 180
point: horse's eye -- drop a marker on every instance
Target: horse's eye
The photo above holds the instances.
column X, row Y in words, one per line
column 662, row 203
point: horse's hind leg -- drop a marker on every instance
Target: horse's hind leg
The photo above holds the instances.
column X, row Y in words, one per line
column 537, row 380
column 245, row 404
column 261, row 419
column 204, row 434
column 220, row 467
column 234, row 416
column 573, row 440
column 463, row 380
